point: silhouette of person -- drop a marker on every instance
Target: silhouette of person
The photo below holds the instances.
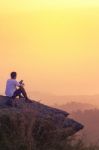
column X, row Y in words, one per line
column 15, row 88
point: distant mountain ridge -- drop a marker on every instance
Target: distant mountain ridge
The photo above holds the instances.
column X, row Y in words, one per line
column 51, row 99
column 90, row 118
column 75, row 106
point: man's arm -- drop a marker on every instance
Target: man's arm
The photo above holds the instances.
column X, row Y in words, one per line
column 18, row 84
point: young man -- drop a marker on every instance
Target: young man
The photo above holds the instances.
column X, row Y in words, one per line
column 14, row 88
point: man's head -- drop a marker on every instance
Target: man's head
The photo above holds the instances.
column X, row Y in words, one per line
column 13, row 75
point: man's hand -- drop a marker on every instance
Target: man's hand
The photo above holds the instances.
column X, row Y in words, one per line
column 21, row 83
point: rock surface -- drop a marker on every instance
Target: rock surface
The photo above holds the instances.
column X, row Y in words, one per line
column 58, row 118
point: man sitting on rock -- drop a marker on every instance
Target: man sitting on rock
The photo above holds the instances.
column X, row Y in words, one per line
column 14, row 88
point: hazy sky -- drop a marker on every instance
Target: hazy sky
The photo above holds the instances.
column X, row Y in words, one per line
column 20, row 5
column 52, row 44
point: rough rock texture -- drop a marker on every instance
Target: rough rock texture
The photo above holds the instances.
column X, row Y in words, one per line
column 34, row 126
column 57, row 117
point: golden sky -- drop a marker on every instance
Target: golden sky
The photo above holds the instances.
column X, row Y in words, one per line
column 52, row 44
column 29, row 5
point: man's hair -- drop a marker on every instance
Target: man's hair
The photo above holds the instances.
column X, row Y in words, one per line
column 13, row 75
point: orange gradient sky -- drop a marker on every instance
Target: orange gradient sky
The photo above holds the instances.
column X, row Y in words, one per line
column 53, row 45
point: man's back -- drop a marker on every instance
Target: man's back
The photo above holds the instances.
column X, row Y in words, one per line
column 11, row 87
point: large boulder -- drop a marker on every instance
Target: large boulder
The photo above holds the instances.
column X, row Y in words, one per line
column 35, row 121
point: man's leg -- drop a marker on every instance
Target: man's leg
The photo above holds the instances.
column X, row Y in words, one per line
column 23, row 92
column 16, row 93
column 25, row 95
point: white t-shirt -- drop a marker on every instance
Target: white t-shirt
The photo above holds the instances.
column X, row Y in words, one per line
column 11, row 87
